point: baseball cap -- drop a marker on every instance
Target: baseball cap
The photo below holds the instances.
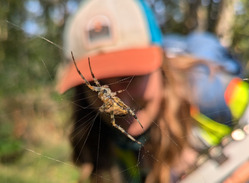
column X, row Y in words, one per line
column 120, row 37
column 202, row 45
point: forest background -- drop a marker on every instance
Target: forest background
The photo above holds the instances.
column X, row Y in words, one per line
column 34, row 118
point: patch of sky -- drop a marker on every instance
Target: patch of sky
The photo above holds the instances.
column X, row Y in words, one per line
column 216, row 1
column 57, row 13
column 239, row 8
column 31, row 27
column 205, row 2
column 72, row 6
column 34, row 7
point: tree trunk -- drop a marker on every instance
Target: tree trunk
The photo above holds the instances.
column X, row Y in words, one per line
column 225, row 23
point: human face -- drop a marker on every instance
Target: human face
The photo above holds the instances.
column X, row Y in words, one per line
column 144, row 95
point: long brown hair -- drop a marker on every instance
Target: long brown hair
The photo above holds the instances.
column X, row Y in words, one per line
column 175, row 121
column 168, row 135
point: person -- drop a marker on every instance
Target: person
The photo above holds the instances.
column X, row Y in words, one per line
column 122, row 45
column 223, row 98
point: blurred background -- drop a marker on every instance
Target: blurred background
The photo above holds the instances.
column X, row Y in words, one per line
column 34, row 118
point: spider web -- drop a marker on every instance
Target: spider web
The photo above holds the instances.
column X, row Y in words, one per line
column 43, row 118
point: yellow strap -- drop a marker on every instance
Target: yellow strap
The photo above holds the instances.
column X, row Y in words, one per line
column 236, row 97
column 211, row 131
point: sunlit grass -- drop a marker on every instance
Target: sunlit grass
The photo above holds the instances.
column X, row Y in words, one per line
column 40, row 121
column 45, row 168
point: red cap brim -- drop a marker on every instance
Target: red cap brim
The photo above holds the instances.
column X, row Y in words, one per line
column 122, row 63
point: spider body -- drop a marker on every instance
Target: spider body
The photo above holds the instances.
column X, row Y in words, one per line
column 112, row 104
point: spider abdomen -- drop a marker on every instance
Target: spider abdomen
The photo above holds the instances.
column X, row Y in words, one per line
column 110, row 106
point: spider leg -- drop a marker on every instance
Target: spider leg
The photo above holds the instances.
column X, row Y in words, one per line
column 122, row 130
column 120, row 91
column 87, row 83
column 94, row 79
column 123, row 106
column 134, row 116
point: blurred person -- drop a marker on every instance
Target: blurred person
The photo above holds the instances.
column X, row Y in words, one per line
column 124, row 45
column 220, row 105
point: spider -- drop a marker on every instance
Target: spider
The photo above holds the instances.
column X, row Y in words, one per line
column 112, row 104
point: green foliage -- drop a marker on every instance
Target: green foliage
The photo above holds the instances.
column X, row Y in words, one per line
column 34, row 168
column 241, row 33
column 10, row 149
column 29, row 113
